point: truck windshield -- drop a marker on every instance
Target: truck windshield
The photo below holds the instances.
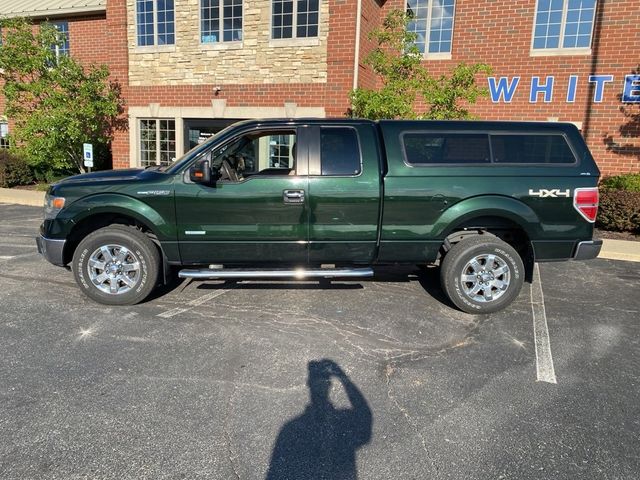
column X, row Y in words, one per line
column 194, row 152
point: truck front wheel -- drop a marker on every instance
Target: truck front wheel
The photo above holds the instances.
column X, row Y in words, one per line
column 482, row 274
column 116, row 265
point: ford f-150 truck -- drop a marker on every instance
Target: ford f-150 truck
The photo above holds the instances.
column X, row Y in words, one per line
column 308, row 198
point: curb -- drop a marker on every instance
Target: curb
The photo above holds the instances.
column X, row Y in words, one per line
column 22, row 197
column 611, row 249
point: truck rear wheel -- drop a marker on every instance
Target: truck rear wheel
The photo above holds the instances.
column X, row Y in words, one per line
column 116, row 265
column 482, row 274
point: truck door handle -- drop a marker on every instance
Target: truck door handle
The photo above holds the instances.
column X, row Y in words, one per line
column 293, row 196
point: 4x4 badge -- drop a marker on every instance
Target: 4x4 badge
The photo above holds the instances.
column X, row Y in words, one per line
column 555, row 192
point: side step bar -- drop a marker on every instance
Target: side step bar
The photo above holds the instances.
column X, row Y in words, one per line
column 299, row 273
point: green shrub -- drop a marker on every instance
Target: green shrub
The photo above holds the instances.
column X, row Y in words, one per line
column 14, row 170
column 629, row 182
column 619, row 210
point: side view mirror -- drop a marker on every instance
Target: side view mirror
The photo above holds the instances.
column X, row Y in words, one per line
column 200, row 172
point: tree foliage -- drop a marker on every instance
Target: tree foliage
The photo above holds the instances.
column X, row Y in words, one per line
column 404, row 78
column 56, row 103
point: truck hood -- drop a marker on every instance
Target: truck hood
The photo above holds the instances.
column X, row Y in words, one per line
column 105, row 176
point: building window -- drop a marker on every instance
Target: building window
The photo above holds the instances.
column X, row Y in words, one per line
column 157, row 142
column 280, row 150
column 212, row 29
column 432, row 22
column 294, row 18
column 155, row 20
column 4, row 134
column 62, row 47
column 563, row 24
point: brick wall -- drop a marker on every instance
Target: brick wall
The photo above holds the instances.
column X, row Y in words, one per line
column 498, row 32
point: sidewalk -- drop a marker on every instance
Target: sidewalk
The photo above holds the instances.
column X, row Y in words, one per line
column 611, row 249
column 22, row 197
column 620, row 250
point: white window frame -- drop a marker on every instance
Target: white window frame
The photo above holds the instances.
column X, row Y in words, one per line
column 57, row 48
column 437, row 55
column 548, row 52
column 155, row 45
column 220, row 44
column 4, row 140
column 294, row 40
column 157, row 139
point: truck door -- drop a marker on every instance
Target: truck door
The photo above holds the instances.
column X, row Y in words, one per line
column 256, row 212
column 344, row 194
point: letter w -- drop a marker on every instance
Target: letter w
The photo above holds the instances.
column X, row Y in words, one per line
column 503, row 89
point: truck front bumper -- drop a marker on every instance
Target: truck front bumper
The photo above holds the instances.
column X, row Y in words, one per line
column 51, row 249
column 587, row 250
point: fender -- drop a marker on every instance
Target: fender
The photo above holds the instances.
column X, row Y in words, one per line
column 488, row 205
column 116, row 203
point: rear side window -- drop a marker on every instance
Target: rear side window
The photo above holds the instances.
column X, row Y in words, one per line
column 444, row 148
column 531, row 149
column 339, row 151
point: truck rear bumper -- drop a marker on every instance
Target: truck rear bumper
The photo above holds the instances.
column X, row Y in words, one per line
column 587, row 250
column 51, row 249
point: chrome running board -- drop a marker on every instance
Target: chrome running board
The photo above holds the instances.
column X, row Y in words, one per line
column 298, row 273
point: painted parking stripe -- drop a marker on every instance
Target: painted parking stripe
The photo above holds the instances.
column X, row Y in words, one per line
column 11, row 257
column 192, row 304
column 544, row 359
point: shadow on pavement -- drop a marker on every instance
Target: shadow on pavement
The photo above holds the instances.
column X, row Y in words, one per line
column 322, row 442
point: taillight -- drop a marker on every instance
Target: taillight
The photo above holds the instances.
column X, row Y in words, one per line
column 585, row 201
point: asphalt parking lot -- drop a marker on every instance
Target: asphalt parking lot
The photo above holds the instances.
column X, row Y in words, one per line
column 359, row 379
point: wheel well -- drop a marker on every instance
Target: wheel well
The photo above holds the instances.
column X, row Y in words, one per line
column 505, row 229
column 95, row 222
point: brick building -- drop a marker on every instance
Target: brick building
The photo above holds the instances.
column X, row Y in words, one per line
column 190, row 67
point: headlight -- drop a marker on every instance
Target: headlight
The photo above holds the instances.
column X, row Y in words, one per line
column 52, row 206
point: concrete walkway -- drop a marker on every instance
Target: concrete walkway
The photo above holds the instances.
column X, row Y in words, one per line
column 22, row 197
column 611, row 249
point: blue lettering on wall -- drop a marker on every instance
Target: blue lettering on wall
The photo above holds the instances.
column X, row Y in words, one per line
column 536, row 88
column 631, row 93
column 503, row 89
column 571, row 89
column 599, row 80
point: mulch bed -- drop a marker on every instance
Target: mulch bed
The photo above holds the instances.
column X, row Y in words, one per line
column 616, row 235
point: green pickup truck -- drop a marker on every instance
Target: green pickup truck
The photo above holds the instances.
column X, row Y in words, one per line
column 311, row 198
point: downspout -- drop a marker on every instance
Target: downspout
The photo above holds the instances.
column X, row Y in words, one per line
column 356, row 56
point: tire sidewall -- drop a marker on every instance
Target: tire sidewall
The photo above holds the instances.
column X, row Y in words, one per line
column 454, row 288
column 148, row 274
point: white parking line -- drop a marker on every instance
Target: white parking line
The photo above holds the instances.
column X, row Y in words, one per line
column 544, row 360
column 11, row 257
column 192, row 304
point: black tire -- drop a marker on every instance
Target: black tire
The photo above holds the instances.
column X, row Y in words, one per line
column 140, row 252
column 497, row 287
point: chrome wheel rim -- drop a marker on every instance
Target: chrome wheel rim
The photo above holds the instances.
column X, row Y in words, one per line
column 113, row 269
column 485, row 278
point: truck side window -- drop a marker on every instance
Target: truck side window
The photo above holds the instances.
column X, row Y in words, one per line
column 339, row 151
column 443, row 148
column 260, row 153
column 531, row 149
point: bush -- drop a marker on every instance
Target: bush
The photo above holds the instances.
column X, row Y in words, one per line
column 14, row 170
column 619, row 210
column 629, row 182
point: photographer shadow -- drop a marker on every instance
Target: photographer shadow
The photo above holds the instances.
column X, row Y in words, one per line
column 322, row 442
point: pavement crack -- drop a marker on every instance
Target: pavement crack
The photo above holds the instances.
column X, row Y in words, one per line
column 388, row 371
